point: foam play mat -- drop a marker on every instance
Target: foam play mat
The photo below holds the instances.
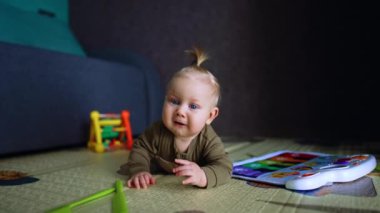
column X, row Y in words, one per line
column 64, row 176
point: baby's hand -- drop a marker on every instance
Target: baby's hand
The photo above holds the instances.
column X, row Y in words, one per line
column 141, row 180
column 196, row 176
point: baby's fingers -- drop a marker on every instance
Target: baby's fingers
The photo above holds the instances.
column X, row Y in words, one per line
column 184, row 172
column 143, row 182
column 181, row 168
column 189, row 180
column 152, row 180
column 133, row 183
column 136, row 183
column 129, row 183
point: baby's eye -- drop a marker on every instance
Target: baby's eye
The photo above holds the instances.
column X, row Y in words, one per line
column 174, row 101
column 193, row 106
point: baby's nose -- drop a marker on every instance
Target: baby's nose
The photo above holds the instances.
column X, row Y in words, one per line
column 181, row 110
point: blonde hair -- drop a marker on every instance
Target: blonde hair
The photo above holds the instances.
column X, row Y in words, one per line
column 195, row 68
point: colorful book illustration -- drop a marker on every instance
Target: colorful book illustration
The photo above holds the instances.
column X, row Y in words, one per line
column 304, row 170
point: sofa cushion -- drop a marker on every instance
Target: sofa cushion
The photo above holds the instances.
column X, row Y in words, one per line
column 46, row 97
column 59, row 9
column 38, row 30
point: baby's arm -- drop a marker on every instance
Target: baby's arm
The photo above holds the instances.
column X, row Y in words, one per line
column 218, row 166
column 195, row 175
column 138, row 165
column 141, row 180
column 216, row 170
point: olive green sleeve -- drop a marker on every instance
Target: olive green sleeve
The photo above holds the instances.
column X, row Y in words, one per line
column 139, row 159
column 219, row 166
column 141, row 153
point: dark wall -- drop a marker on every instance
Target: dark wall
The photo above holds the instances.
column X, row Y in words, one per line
column 288, row 68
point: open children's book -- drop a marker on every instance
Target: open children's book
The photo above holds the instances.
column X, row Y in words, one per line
column 304, row 170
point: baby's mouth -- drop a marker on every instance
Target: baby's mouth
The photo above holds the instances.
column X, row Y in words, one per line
column 179, row 123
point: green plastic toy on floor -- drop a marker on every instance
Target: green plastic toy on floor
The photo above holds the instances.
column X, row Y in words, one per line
column 119, row 204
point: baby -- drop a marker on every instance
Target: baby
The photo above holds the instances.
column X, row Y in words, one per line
column 183, row 143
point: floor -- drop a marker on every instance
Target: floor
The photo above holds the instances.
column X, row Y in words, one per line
column 68, row 175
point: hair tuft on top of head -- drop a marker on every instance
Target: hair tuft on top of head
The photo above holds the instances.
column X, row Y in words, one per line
column 195, row 71
column 199, row 55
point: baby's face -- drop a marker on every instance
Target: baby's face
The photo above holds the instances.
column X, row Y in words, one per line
column 188, row 107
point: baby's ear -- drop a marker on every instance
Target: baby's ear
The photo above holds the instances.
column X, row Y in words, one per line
column 213, row 114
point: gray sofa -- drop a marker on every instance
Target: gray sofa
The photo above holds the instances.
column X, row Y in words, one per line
column 49, row 84
column 46, row 97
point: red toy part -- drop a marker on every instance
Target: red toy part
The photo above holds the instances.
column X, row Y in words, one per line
column 110, row 131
